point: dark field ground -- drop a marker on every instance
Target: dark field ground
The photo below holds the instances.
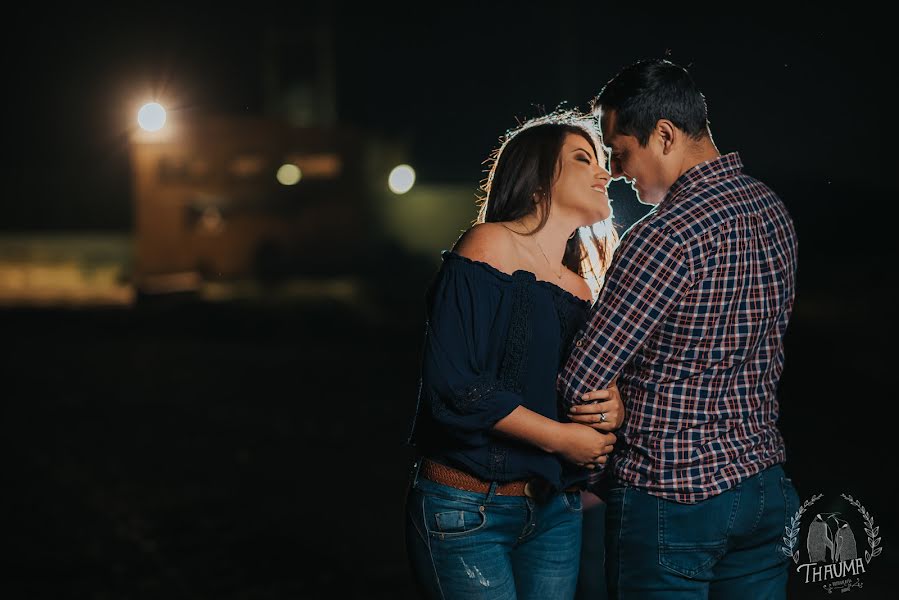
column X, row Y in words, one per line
column 234, row 450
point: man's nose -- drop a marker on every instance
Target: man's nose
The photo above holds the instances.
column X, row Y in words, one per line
column 618, row 174
column 616, row 171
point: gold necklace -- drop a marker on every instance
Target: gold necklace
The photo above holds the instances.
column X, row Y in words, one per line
column 561, row 271
column 548, row 264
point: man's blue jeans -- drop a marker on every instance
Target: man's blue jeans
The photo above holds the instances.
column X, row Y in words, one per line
column 472, row 545
column 728, row 546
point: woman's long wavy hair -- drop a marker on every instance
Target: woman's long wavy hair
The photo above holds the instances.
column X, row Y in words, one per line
column 524, row 167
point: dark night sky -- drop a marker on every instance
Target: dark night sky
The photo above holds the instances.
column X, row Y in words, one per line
column 802, row 99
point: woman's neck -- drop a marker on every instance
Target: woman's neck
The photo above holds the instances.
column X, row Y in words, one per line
column 552, row 238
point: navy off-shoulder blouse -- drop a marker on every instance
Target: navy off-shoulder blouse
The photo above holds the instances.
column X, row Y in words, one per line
column 493, row 342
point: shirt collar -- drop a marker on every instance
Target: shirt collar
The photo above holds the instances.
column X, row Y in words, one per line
column 727, row 164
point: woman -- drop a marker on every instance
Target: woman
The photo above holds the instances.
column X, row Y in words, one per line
column 494, row 506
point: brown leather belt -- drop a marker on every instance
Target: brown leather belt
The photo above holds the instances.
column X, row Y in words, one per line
column 461, row 480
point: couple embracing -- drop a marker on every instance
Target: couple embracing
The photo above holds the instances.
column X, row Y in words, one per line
column 558, row 358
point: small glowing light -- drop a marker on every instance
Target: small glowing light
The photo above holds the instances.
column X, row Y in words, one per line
column 401, row 179
column 289, row 174
column 151, row 117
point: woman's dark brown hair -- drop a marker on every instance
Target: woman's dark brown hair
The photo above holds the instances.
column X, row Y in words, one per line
column 524, row 167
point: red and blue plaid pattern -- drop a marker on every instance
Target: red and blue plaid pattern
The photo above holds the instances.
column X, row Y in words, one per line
column 691, row 319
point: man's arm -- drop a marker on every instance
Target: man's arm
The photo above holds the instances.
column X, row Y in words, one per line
column 649, row 277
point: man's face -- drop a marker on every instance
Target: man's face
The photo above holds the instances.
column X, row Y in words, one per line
column 640, row 167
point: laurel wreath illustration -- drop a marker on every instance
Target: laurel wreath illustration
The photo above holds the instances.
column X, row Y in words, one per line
column 792, row 532
column 873, row 532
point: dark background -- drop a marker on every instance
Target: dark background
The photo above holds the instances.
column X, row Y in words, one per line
column 245, row 450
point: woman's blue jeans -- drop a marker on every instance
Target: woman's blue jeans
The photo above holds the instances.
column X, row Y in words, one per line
column 479, row 545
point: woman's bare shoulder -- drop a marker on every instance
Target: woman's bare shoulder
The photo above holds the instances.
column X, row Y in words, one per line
column 487, row 242
column 580, row 288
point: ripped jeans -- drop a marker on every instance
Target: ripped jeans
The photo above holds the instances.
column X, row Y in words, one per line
column 473, row 545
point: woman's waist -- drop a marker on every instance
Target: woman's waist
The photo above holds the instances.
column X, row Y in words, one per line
column 535, row 487
column 507, row 465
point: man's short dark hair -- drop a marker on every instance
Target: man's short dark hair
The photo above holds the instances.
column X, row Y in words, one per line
column 650, row 90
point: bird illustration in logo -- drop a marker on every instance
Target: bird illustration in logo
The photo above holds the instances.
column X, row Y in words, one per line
column 819, row 541
column 830, row 539
column 843, row 539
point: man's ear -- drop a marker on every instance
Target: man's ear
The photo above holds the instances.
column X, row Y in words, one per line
column 667, row 134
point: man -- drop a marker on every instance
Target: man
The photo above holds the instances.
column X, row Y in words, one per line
column 691, row 321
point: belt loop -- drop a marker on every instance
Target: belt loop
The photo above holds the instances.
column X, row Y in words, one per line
column 491, row 492
column 416, row 467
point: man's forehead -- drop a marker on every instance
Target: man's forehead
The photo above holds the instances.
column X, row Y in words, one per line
column 607, row 124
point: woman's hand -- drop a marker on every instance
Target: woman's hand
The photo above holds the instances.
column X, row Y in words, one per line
column 583, row 446
column 603, row 411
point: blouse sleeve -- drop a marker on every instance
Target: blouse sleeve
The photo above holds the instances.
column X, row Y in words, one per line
column 467, row 389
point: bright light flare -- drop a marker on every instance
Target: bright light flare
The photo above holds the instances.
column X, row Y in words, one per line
column 401, row 179
column 289, row 174
column 151, row 117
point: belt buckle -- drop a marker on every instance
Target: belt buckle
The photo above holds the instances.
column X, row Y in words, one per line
column 538, row 490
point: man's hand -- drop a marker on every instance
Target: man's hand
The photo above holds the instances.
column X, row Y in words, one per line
column 603, row 409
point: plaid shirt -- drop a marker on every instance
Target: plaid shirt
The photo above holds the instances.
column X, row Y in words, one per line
column 691, row 319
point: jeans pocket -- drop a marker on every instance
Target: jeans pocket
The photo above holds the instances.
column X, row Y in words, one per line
column 573, row 501
column 693, row 537
column 452, row 518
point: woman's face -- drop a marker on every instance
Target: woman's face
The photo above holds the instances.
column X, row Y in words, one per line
column 581, row 182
